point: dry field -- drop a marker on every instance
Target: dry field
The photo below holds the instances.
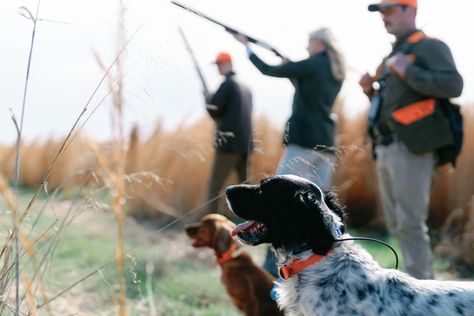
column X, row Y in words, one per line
column 161, row 178
column 166, row 172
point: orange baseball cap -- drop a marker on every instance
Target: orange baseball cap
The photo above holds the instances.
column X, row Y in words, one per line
column 223, row 58
column 387, row 3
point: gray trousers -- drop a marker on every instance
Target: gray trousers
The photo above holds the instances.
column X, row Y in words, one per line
column 224, row 163
column 405, row 184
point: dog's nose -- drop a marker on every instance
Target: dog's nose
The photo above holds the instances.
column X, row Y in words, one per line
column 240, row 191
column 230, row 189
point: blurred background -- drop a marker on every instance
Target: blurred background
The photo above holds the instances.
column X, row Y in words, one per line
column 160, row 81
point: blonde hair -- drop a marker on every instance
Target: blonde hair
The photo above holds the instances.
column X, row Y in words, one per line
column 336, row 58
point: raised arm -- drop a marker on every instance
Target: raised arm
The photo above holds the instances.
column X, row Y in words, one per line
column 287, row 69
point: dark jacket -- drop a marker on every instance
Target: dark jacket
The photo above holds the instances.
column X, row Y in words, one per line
column 310, row 124
column 231, row 108
column 433, row 74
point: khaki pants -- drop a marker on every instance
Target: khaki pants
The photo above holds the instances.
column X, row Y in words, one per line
column 405, row 184
column 222, row 166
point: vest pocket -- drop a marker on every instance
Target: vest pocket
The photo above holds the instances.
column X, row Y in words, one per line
column 422, row 126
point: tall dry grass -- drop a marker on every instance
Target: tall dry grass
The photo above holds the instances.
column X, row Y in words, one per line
column 355, row 177
column 457, row 188
column 36, row 157
column 31, row 279
column 53, row 165
column 113, row 162
column 182, row 161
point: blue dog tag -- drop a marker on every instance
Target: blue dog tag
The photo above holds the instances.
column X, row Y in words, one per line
column 273, row 292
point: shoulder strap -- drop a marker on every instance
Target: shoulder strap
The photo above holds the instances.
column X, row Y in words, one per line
column 405, row 48
column 411, row 41
column 416, row 37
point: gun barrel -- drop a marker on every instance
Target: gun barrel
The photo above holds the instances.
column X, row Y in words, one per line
column 193, row 58
column 229, row 29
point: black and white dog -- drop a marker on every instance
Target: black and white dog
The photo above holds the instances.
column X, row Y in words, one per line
column 322, row 276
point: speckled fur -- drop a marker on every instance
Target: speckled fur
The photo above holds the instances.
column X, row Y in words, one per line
column 347, row 282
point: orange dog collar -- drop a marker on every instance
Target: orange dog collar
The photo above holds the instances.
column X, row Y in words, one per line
column 226, row 256
column 288, row 270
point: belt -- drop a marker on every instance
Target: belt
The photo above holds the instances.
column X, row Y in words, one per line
column 382, row 129
column 384, row 140
column 382, row 134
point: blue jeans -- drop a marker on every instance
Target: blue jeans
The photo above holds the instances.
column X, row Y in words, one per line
column 307, row 163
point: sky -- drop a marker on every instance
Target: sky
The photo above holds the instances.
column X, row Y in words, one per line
column 160, row 82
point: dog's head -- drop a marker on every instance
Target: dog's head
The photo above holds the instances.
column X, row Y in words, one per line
column 286, row 210
column 211, row 231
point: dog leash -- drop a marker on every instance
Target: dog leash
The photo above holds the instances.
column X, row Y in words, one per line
column 374, row 240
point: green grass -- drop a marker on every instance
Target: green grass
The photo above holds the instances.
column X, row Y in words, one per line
column 179, row 287
column 181, row 284
column 183, row 292
column 443, row 267
column 382, row 254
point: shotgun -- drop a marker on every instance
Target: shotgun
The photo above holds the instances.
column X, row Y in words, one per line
column 229, row 29
column 193, row 58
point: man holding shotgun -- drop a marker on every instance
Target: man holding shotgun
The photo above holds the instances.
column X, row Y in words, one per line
column 231, row 109
column 310, row 131
column 412, row 82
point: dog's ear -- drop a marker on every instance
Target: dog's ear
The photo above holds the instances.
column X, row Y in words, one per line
column 222, row 238
column 311, row 227
column 307, row 198
column 192, row 230
column 332, row 202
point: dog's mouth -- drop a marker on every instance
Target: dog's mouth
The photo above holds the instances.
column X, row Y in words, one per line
column 251, row 232
column 198, row 243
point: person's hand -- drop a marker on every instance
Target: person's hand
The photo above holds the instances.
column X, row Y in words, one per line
column 366, row 82
column 241, row 38
column 399, row 63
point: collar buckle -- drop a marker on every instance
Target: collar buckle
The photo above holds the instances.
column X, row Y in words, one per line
column 284, row 272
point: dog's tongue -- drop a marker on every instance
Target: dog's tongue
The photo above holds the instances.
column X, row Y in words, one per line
column 197, row 243
column 241, row 227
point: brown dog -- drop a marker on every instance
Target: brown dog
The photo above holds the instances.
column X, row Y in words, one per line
column 248, row 285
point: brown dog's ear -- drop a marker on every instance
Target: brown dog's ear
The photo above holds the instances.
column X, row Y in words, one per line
column 192, row 230
column 222, row 239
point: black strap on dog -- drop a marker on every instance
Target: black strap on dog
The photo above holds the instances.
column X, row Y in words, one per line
column 374, row 240
column 298, row 248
